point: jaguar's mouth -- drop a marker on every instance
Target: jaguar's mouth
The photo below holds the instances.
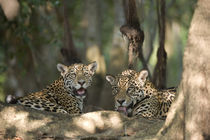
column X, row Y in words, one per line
column 80, row 92
column 125, row 109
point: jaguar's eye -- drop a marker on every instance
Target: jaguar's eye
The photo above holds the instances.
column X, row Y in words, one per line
column 130, row 89
column 73, row 75
column 138, row 93
column 114, row 90
column 68, row 82
column 141, row 91
column 71, row 70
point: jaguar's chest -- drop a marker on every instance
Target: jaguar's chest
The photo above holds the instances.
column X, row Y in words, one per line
column 64, row 97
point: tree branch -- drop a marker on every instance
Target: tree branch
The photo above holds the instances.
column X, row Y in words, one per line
column 134, row 34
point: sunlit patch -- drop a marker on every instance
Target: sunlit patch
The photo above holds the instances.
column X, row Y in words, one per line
column 20, row 120
column 192, row 128
column 86, row 124
column 93, row 54
column 10, row 8
column 96, row 118
column 116, row 121
column 89, row 122
column 72, row 134
column 94, row 121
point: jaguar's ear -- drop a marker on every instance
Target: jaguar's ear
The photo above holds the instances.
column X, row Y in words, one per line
column 110, row 79
column 62, row 68
column 92, row 67
column 142, row 75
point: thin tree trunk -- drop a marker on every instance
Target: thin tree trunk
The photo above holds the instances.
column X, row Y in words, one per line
column 118, row 56
column 68, row 51
column 92, row 18
column 118, row 49
column 151, row 32
column 159, row 75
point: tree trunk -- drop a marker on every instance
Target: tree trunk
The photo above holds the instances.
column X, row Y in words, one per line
column 92, row 20
column 118, row 49
column 189, row 117
column 68, row 51
column 117, row 53
column 150, row 31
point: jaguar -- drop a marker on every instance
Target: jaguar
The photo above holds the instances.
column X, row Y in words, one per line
column 64, row 95
column 134, row 95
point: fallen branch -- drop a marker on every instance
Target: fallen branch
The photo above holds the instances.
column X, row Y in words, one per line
column 25, row 123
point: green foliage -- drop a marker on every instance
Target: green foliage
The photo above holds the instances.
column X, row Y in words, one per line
column 22, row 37
column 181, row 11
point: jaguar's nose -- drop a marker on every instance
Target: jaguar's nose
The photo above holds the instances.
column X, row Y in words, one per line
column 81, row 82
column 120, row 101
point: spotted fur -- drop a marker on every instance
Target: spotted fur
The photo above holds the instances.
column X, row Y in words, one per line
column 66, row 94
column 135, row 95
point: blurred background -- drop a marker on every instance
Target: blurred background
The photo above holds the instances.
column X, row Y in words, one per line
column 33, row 36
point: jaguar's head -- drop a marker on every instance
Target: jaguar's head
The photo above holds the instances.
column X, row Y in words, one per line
column 77, row 77
column 127, row 89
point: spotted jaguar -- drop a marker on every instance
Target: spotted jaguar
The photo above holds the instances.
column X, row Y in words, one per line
column 64, row 95
column 134, row 95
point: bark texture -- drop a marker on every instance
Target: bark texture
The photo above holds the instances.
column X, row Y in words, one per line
column 189, row 117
